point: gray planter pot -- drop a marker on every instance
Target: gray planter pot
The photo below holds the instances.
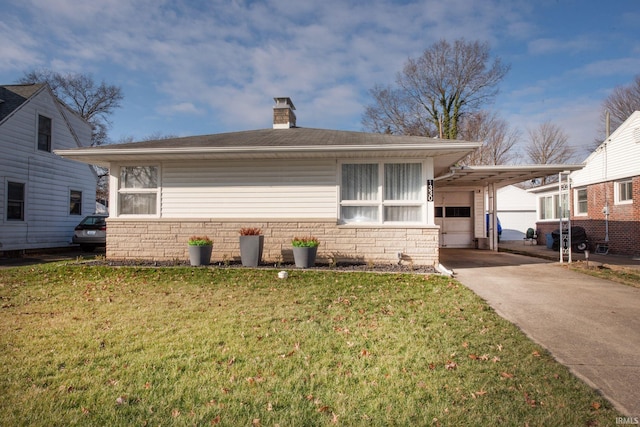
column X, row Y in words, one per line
column 251, row 250
column 305, row 257
column 200, row 255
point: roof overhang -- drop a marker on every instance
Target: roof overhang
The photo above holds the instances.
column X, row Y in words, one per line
column 283, row 145
column 500, row 176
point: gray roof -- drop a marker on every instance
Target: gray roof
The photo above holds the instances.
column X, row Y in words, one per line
column 292, row 143
column 13, row 96
column 280, row 138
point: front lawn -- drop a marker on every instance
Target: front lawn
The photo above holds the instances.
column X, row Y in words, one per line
column 83, row 345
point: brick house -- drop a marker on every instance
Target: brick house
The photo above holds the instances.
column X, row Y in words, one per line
column 605, row 194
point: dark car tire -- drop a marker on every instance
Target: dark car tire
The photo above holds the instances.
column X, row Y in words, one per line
column 581, row 247
column 87, row 248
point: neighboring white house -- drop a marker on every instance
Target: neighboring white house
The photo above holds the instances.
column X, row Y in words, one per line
column 43, row 196
column 368, row 197
column 605, row 194
column 516, row 209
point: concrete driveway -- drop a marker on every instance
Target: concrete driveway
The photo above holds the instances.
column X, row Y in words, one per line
column 590, row 325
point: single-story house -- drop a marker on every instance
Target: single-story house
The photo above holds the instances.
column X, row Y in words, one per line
column 367, row 197
column 43, row 196
column 604, row 195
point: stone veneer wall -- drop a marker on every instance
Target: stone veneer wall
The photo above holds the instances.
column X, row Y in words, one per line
column 166, row 240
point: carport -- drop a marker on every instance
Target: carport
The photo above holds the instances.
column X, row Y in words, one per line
column 486, row 180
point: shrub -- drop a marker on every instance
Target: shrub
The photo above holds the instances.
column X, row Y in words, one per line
column 250, row 231
column 305, row 242
column 200, row 241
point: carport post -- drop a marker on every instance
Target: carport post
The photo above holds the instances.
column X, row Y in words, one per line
column 493, row 224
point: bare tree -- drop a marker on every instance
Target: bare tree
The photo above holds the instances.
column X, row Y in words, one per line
column 93, row 102
column 620, row 104
column 435, row 90
column 102, row 189
column 497, row 139
column 548, row 145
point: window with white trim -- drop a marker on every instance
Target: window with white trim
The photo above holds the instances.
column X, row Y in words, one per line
column 75, row 202
column 581, row 204
column 382, row 193
column 15, row 201
column 44, row 133
column 624, row 192
column 549, row 207
column 138, row 192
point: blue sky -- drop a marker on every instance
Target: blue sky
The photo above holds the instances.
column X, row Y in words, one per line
column 197, row 67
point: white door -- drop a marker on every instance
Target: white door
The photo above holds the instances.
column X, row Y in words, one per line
column 454, row 215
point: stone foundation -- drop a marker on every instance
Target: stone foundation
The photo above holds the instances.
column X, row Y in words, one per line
column 166, row 240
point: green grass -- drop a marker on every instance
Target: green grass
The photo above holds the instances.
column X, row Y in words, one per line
column 83, row 345
column 622, row 275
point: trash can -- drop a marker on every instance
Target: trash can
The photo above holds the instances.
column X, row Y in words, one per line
column 549, row 238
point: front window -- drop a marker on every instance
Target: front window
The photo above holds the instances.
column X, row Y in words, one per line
column 44, row 133
column 581, row 201
column 624, row 192
column 15, row 201
column 138, row 192
column 381, row 192
column 75, row 202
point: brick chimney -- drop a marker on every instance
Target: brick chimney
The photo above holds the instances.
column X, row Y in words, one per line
column 283, row 115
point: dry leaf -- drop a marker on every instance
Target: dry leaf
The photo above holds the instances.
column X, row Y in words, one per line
column 595, row 405
column 255, row 422
column 215, row 421
column 364, row 352
column 506, row 375
column 324, row 408
column 473, row 357
column 451, row 365
column 529, row 400
column 175, row 413
column 536, row 353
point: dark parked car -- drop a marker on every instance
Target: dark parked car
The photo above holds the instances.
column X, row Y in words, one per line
column 91, row 232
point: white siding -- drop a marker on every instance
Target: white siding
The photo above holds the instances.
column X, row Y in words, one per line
column 516, row 209
column 619, row 159
column 48, row 177
column 250, row 189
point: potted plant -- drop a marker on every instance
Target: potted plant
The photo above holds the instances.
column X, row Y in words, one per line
column 251, row 243
column 200, row 250
column 305, row 250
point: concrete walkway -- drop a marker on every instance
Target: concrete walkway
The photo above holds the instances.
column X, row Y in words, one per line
column 590, row 325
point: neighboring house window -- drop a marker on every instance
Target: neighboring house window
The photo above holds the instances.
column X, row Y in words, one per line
column 15, row 201
column 138, row 192
column 381, row 192
column 581, row 202
column 624, row 192
column 552, row 208
column 44, row 133
column 75, row 202
column 546, row 207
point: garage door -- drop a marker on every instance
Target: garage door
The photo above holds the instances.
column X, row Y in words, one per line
column 454, row 215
